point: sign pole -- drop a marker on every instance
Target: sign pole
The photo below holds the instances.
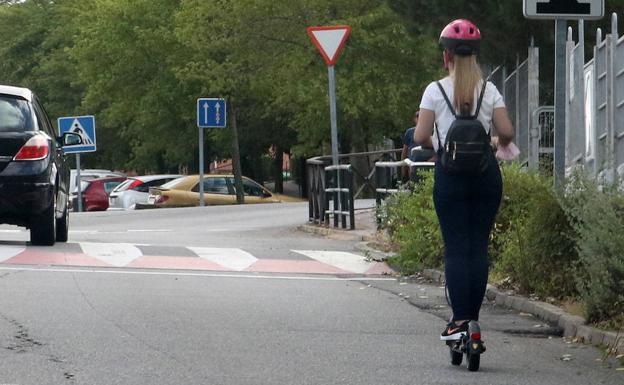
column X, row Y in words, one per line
column 201, row 167
column 333, row 114
column 334, row 127
column 560, row 101
column 78, row 184
column 211, row 112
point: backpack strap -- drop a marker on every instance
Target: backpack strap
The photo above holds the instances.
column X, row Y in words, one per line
column 476, row 115
column 450, row 106
column 446, row 98
column 438, row 135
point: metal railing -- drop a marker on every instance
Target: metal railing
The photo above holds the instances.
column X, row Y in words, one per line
column 388, row 177
column 323, row 187
column 340, row 189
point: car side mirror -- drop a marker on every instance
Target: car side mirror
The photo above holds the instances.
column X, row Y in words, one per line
column 71, row 139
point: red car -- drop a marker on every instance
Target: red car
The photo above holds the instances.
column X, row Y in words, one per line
column 95, row 193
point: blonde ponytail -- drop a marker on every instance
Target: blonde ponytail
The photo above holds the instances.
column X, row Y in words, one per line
column 467, row 76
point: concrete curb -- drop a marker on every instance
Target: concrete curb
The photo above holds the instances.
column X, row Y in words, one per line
column 353, row 235
column 573, row 326
column 374, row 254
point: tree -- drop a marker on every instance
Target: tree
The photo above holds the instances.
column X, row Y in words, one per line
column 125, row 54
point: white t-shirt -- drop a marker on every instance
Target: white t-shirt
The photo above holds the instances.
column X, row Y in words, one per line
column 434, row 100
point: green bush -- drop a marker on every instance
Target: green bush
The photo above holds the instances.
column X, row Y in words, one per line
column 533, row 240
column 519, row 187
column 410, row 218
column 597, row 215
column 554, row 245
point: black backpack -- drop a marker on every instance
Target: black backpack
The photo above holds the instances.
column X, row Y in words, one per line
column 467, row 147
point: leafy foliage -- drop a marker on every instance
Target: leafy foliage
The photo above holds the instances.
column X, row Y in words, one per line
column 597, row 215
column 412, row 222
column 544, row 242
column 532, row 231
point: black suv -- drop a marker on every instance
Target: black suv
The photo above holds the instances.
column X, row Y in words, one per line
column 34, row 176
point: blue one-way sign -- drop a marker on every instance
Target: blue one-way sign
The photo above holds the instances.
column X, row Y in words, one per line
column 83, row 126
column 211, row 112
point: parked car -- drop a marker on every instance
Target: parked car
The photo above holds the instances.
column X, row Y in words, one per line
column 88, row 174
column 218, row 190
column 95, row 193
column 34, row 174
column 136, row 190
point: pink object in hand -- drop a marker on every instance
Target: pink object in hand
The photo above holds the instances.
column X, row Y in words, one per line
column 509, row 152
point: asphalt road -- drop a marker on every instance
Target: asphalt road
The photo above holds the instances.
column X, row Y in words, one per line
column 80, row 325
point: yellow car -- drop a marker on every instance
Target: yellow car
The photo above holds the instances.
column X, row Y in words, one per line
column 218, row 190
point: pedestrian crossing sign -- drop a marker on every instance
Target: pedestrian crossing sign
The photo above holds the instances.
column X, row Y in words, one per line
column 83, row 126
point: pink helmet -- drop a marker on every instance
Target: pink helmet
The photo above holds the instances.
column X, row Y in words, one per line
column 461, row 37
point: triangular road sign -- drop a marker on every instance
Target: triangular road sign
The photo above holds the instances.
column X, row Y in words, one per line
column 77, row 128
column 329, row 40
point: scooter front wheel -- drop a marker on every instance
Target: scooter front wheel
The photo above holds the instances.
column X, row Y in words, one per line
column 456, row 357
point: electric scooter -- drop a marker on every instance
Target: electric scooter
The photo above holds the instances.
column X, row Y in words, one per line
column 469, row 344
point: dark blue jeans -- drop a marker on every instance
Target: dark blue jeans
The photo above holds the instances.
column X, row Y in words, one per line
column 466, row 208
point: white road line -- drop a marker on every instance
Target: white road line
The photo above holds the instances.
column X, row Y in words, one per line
column 12, row 231
column 340, row 259
column 8, row 252
column 234, row 259
column 116, row 254
column 179, row 274
column 150, row 231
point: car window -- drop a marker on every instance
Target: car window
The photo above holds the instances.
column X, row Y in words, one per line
column 83, row 185
column 110, row 186
column 144, row 187
column 158, row 182
column 214, row 186
column 172, row 184
column 252, row 188
column 124, row 185
column 42, row 118
column 15, row 115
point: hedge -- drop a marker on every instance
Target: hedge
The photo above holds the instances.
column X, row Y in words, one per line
column 567, row 245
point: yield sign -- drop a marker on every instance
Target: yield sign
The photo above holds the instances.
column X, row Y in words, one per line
column 329, row 40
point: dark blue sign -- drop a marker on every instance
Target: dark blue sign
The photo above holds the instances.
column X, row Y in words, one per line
column 211, row 112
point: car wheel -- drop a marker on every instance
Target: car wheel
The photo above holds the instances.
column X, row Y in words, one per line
column 43, row 228
column 62, row 226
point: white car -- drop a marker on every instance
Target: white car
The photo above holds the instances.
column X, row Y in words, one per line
column 136, row 190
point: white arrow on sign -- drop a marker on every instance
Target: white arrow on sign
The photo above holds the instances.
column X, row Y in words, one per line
column 206, row 107
column 330, row 40
column 218, row 113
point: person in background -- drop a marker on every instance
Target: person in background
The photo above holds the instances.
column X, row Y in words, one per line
column 408, row 145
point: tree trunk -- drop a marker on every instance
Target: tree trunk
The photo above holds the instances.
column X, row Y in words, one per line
column 236, row 164
column 278, row 172
column 360, row 164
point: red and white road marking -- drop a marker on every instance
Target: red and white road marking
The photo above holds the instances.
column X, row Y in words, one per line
column 190, row 258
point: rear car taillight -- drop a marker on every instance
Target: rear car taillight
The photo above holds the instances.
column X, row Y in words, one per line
column 161, row 199
column 134, row 185
column 36, row 148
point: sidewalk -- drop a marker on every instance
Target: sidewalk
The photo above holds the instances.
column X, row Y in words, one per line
column 573, row 327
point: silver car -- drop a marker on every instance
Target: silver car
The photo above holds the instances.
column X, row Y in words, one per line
column 135, row 190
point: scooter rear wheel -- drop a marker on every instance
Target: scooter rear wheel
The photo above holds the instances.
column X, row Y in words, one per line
column 473, row 361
